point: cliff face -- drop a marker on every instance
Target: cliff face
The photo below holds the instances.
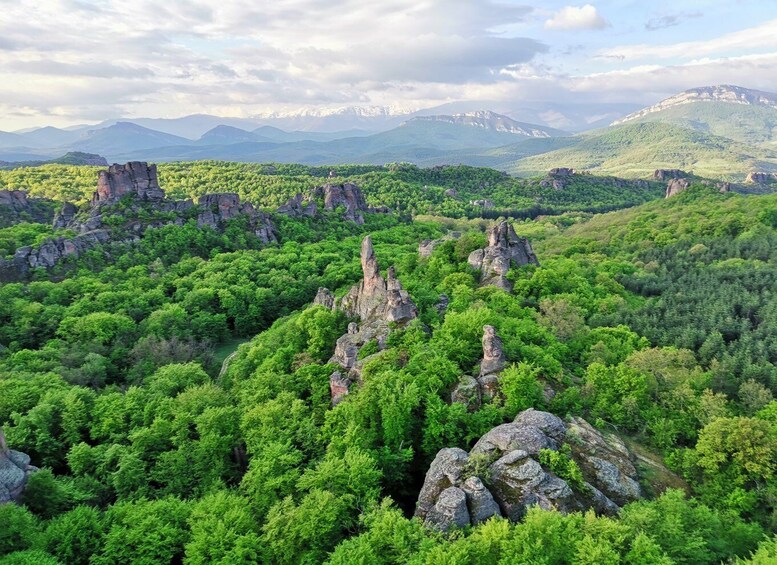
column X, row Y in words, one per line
column 505, row 250
column 134, row 178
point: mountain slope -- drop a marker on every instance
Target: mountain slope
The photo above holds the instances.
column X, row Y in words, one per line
column 123, row 137
column 225, row 135
column 639, row 148
column 744, row 115
column 491, row 121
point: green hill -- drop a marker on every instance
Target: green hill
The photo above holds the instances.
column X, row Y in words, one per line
column 636, row 150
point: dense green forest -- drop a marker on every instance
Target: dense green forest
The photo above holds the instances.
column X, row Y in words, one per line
column 657, row 323
column 404, row 188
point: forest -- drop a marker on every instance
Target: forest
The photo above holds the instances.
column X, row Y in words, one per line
column 175, row 391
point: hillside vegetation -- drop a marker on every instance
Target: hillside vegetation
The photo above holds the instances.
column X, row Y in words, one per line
column 655, row 323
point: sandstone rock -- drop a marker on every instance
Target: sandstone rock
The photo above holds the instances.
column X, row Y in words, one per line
column 467, row 392
column 450, row 510
column 493, row 356
column 515, row 479
column 134, row 178
column 505, row 250
column 347, row 347
column 325, row 298
column 561, row 172
column 480, row 501
column 375, row 298
column 218, row 208
column 668, row 174
column 15, row 469
column 676, row 186
column 338, row 387
column 445, row 471
column 298, row 207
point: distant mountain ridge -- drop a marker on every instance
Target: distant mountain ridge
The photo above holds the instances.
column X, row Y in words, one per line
column 727, row 93
column 486, row 119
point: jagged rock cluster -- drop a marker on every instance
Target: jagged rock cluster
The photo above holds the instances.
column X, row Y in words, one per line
column 676, row 186
column 376, row 302
column 138, row 182
column 15, row 469
column 347, row 195
column 502, row 474
column 668, row 174
column 558, row 178
column 134, row 178
column 505, row 250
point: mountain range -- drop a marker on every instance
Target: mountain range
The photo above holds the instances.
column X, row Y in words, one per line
column 722, row 130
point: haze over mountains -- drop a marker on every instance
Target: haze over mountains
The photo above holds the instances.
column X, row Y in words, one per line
column 718, row 130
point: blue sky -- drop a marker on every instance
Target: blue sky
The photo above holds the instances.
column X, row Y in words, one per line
column 73, row 61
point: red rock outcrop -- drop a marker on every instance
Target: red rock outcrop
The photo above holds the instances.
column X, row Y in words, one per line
column 134, row 178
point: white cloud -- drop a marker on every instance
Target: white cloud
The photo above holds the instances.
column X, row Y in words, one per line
column 576, row 18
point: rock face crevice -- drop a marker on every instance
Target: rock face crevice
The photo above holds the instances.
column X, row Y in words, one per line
column 502, row 474
column 505, row 250
column 15, row 470
column 378, row 304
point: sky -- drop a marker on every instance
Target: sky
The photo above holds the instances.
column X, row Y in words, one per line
column 64, row 62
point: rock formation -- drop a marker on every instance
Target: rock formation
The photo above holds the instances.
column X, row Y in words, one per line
column 378, row 304
column 298, row 207
column 470, row 390
column 512, row 478
column 493, row 356
column 137, row 182
column 676, row 186
column 561, row 172
column 761, row 178
column 15, row 469
column 221, row 207
column 133, row 178
column 505, row 250
column 668, row 174
column 16, row 206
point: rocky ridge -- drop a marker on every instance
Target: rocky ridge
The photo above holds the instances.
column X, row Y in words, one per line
column 503, row 475
column 379, row 304
column 505, row 250
column 136, row 185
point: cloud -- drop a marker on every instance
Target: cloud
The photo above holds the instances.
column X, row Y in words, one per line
column 758, row 37
column 670, row 20
column 577, row 18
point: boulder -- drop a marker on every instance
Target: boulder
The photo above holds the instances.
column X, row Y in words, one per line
column 325, row 298
column 449, row 511
column 505, row 250
column 15, row 470
column 512, row 478
column 480, row 501
column 446, row 471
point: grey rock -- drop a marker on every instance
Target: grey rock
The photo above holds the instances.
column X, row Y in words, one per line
column 510, row 437
column 65, row 215
column 493, row 355
column 449, row 511
column 505, row 250
column 761, row 177
column 445, row 471
column 489, row 386
column 480, row 501
column 549, row 424
column 298, row 207
column 427, row 246
column 467, row 392
column 325, row 298
column 15, row 470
